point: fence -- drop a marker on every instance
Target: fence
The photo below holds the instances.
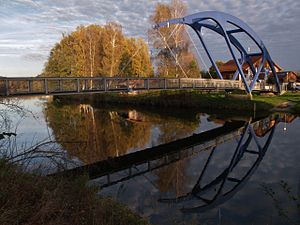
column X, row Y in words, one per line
column 75, row 85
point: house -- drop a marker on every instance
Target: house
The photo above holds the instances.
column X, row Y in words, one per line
column 287, row 76
column 229, row 68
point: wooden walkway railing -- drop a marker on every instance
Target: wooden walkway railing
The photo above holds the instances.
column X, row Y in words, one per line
column 17, row 86
column 74, row 85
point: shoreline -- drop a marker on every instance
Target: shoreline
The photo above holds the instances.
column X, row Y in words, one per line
column 187, row 99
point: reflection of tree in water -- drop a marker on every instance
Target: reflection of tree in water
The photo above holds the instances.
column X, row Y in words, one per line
column 96, row 134
column 100, row 134
column 174, row 129
column 174, row 177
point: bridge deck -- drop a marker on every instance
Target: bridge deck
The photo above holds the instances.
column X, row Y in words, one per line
column 18, row 86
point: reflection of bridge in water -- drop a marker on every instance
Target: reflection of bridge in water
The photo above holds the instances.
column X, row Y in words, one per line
column 119, row 169
column 213, row 193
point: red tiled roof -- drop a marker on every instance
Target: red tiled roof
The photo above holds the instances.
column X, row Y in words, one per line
column 230, row 66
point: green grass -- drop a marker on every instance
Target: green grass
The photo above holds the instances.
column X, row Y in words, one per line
column 293, row 97
column 32, row 199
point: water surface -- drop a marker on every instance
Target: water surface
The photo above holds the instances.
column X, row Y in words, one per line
column 214, row 182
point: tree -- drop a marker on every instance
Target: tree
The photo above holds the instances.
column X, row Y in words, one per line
column 111, row 49
column 212, row 73
column 175, row 57
column 93, row 51
column 135, row 60
column 60, row 61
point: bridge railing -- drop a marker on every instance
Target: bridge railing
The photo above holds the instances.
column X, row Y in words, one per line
column 64, row 85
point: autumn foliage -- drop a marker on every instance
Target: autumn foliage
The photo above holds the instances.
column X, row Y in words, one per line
column 94, row 50
column 172, row 44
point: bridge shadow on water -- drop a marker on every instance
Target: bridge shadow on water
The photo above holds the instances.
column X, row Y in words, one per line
column 249, row 142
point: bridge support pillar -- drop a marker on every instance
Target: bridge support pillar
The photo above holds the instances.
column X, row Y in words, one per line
column 249, row 96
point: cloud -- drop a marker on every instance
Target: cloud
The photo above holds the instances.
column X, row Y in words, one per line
column 34, row 57
column 42, row 22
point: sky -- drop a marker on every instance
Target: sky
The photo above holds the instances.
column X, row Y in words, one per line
column 30, row 28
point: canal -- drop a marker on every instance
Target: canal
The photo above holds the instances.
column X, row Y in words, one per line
column 235, row 169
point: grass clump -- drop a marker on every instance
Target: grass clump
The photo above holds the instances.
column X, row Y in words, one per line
column 32, row 199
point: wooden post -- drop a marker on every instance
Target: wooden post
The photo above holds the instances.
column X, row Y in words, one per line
column 29, row 86
column 179, row 83
column 46, row 86
column 85, row 84
column 7, row 87
column 146, row 83
column 105, row 84
column 78, row 85
column 165, row 83
column 127, row 83
column 59, row 85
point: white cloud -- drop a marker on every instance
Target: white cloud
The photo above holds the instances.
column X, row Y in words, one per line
column 28, row 26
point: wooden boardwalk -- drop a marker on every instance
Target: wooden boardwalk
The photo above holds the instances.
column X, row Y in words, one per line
column 18, row 86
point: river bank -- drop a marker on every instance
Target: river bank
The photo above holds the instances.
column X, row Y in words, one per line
column 209, row 102
column 33, row 199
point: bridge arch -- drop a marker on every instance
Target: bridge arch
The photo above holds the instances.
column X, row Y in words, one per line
column 200, row 20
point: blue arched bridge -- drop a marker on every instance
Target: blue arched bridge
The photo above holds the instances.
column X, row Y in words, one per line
column 221, row 23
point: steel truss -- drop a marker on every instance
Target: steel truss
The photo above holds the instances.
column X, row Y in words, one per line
column 220, row 22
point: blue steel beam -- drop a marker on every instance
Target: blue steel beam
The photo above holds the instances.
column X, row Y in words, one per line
column 244, row 56
column 222, row 19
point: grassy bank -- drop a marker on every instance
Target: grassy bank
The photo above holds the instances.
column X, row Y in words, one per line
column 292, row 98
column 32, row 199
column 208, row 102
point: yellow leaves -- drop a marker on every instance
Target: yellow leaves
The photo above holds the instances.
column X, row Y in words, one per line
column 172, row 43
column 95, row 50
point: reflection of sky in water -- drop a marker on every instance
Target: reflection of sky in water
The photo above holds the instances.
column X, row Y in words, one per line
column 30, row 127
